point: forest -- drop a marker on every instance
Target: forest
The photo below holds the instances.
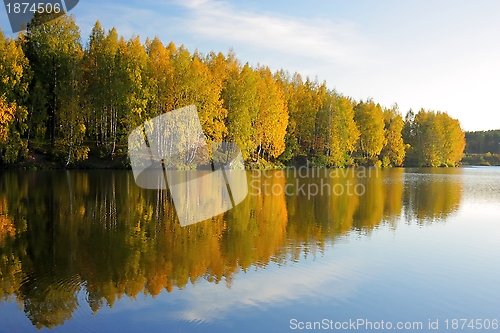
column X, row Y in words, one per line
column 69, row 99
column 483, row 142
column 482, row 148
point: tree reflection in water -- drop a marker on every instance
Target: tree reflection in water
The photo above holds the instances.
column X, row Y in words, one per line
column 66, row 232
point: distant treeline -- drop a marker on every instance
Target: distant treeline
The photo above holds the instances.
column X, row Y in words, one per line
column 482, row 142
column 56, row 93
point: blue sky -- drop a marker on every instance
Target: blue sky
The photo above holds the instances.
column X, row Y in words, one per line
column 439, row 55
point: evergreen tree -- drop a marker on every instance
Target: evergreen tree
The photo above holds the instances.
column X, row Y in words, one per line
column 52, row 49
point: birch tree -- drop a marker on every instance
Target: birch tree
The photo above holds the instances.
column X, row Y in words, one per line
column 370, row 121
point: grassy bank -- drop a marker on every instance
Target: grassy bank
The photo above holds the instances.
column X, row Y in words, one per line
column 487, row 159
column 43, row 157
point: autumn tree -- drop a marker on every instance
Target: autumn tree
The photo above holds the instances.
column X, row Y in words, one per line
column 393, row 152
column 369, row 118
column 434, row 138
column 303, row 102
column 71, row 114
column 91, row 79
column 337, row 133
column 14, row 79
column 100, row 85
column 422, row 140
column 117, row 86
column 133, row 91
column 240, row 99
column 12, row 118
column 272, row 118
column 161, row 76
column 193, row 82
column 454, row 143
column 345, row 129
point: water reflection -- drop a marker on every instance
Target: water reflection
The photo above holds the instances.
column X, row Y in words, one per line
column 432, row 194
column 62, row 233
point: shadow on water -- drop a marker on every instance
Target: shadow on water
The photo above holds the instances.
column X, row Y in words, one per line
column 62, row 233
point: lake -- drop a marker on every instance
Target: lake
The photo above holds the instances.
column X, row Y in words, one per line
column 353, row 249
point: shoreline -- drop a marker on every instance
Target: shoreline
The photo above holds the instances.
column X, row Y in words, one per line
column 38, row 160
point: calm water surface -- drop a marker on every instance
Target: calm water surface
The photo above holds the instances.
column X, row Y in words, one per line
column 89, row 251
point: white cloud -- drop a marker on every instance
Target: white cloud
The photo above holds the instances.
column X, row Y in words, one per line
column 329, row 41
column 404, row 53
column 338, row 279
